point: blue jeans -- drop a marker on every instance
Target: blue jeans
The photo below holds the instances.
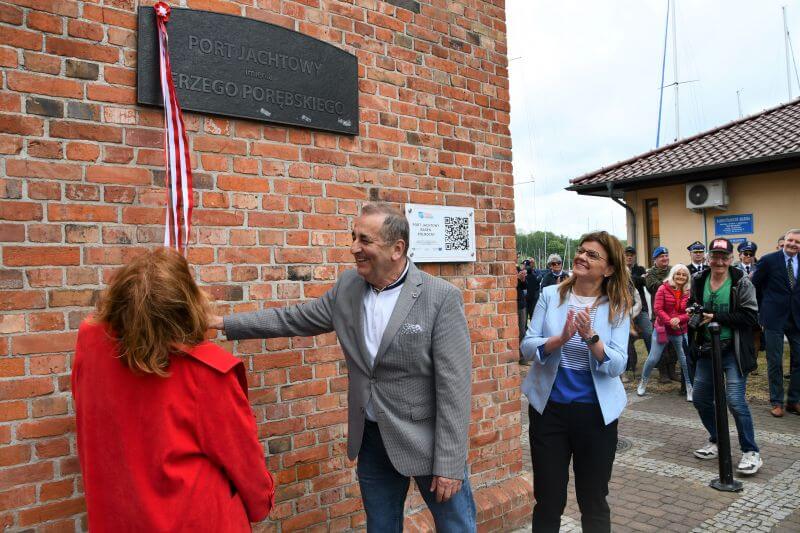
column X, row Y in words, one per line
column 642, row 321
column 774, row 340
column 384, row 489
column 657, row 349
column 735, row 385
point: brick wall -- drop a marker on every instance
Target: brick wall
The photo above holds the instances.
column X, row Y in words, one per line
column 81, row 191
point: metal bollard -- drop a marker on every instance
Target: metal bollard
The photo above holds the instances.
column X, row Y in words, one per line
column 725, row 482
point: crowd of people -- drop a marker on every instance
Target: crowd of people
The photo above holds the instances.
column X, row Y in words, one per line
column 756, row 303
column 167, row 439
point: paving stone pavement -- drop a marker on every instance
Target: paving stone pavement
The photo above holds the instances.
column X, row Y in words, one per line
column 658, row 485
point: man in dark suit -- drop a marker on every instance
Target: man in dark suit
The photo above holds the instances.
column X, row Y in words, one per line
column 407, row 348
column 532, row 282
column 776, row 281
column 697, row 254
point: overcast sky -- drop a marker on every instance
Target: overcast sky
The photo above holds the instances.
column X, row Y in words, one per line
column 584, row 89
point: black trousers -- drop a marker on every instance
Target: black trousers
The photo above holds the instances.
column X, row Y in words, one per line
column 575, row 431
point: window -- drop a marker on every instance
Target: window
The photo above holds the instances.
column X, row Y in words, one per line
column 653, row 237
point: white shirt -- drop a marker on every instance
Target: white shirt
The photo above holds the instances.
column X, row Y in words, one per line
column 377, row 310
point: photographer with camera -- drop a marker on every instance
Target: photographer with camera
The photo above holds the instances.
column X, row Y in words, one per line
column 724, row 294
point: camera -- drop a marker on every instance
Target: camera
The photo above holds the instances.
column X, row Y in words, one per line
column 696, row 311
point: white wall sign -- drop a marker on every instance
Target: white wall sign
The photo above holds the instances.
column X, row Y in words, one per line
column 441, row 234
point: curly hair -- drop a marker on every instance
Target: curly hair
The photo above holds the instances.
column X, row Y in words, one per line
column 154, row 309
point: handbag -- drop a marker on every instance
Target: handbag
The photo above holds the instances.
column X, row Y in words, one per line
column 661, row 333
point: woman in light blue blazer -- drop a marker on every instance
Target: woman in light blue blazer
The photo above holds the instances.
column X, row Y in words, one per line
column 578, row 341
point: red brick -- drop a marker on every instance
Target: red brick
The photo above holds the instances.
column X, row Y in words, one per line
column 21, row 125
column 219, row 145
column 51, row 511
column 52, row 448
column 71, row 48
column 41, row 255
column 47, row 427
column 120, row 175
column 37, row 84
column 81, row 213
column 42, row 63
column 44, row 170
column 44, row 191
column 15, row 410
column 85, row 132
column 82, row 151
column 85, row 30
column 67, row 8
column 44, row 233
column 110, row 16
column 12, row 367
column 20, row 38
column 242, row 183
column 17, row 497
column 47, row 150
column 44, row 22
column 143, row 215
column 8, row 58
column 10, row 15
column 46, row 321
column 10, row 144
column 17, row 210
column 71, row 298
column 105, row 93
column 56, row 490
column 12, row 300
column 273, row 220
column 25, row 388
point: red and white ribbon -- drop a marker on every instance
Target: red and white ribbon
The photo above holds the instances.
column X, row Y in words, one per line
column 176, row 147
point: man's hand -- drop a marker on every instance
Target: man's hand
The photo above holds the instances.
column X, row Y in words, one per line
column 445, row 488
column 521, row 276
column 707, row 317
column 215, row 322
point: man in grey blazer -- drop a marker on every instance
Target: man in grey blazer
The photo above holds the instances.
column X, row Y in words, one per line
column 406, row 345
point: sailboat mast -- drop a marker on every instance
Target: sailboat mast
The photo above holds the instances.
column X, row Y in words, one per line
column 788, row 53
column 663, row 70
column 675, row 69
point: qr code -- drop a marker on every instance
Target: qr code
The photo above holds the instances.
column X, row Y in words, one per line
column 456, row 233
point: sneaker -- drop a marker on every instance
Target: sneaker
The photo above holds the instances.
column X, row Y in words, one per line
column 642, row 388
column 750, row 463
column 709, row 451
column 689, row 390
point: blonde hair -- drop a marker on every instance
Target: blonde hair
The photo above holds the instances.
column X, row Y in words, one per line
column 615, row 286
column 154, row 307
column 671, row 276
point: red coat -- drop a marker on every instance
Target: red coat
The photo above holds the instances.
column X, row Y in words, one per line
column 667, row 307
column 167, row 454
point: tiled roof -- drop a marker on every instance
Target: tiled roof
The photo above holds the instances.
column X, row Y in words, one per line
column 773, row 133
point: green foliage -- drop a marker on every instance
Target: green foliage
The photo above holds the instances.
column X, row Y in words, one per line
column 533, row 245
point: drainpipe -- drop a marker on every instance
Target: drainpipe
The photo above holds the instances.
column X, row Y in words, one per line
column 628, row 208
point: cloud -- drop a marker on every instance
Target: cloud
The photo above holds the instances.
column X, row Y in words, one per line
column 584, row 80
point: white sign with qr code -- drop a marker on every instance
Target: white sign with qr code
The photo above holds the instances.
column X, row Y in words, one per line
column 441, row 234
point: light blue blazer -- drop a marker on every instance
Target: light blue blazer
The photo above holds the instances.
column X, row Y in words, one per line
column 548, row 320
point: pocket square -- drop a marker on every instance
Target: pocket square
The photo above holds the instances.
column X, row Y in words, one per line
column 409, row 329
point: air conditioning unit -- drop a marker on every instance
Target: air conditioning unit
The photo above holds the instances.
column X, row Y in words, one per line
column 702, row 194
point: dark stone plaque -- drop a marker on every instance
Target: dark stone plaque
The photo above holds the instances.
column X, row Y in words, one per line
column 238, row 67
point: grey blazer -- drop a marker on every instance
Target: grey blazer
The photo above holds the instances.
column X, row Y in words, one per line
column 420, row 383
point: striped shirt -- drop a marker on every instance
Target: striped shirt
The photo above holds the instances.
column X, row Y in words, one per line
column 574, row 378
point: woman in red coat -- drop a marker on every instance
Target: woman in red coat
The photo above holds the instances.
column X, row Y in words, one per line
column 166, row 437
column 669, row 305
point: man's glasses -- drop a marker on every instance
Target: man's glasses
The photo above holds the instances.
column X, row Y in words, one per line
column 591, row 254
column 554, row 263
column 747, row 254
